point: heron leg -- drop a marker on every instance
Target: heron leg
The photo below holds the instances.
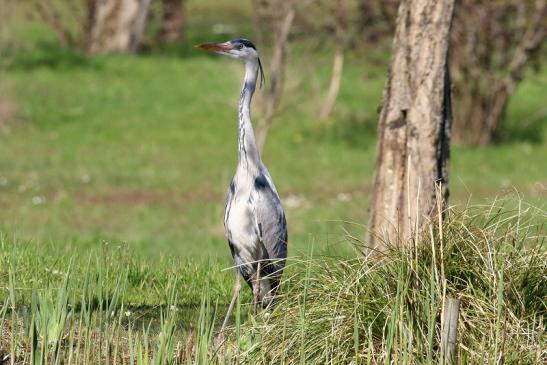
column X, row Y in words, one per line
column 237, row 288
column 256, row 288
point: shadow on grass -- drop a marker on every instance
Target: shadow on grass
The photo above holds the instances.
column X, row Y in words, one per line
column 51, row 55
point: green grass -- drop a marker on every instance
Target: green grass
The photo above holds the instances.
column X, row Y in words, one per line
column 113, row 306
column 84, row 309
column 141, row 149
column 113, row 173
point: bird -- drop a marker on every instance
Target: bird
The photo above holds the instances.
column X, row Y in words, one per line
column 254, row 219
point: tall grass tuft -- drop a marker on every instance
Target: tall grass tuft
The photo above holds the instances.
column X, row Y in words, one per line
column 388, row 309
column 50, row 313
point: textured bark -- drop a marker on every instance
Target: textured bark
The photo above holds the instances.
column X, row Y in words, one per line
column 274, row 89
column 414, row 126
column 172, row 21
column 118, row 25
column 493, row 44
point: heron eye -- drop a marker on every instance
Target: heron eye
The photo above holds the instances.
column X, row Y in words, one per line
column 239, row 46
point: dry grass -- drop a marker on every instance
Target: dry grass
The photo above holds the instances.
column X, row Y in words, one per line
column 365, row 311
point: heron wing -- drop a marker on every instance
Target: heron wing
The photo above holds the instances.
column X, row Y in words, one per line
column 271, row 223
column 228, row 203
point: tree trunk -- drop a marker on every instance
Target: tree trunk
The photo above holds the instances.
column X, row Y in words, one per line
column 488, row 79
column 341, row 39
column 118, row 25
column 274, row 89
column 414, row 126
column 335, row 80
column 172, row 21
column 530, row 44
column 49, row 13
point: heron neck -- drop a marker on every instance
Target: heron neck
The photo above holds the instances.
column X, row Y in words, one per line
column 249, row 157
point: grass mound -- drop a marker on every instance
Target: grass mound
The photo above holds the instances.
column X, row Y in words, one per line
column 389, row 309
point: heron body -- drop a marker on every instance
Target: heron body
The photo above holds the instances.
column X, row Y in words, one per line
column 254, row 219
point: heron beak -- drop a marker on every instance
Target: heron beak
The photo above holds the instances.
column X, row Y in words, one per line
column 216, row 47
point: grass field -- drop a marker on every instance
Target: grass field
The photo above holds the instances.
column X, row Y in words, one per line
column 141, row 150
column 111, row 306
column 113, row 171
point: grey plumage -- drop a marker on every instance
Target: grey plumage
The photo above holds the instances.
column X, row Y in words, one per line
column 254, row 219
column 257, row 231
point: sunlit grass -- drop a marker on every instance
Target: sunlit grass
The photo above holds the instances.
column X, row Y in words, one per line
column 388, row 308
column 372, row 309
column 141, row 150
column 113, row 171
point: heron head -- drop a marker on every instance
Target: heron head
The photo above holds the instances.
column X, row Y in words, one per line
column 240, row 48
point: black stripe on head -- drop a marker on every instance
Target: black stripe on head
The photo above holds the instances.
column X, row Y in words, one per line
column 249, row 44
column 245, row 42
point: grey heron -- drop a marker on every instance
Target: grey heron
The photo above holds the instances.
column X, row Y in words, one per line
column 254, row 219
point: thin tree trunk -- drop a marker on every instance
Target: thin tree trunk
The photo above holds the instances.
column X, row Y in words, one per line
column 530, row 44
column 341, row 39
column 118, row 25
column 87, row 24
column 274, row 89
column 50, row 15
column 414, row 126
column 257, row 21
column 335, row 81
column 172, row 21
column 490, row 61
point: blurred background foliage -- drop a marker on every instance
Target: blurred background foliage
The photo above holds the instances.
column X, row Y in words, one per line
column 112, row 127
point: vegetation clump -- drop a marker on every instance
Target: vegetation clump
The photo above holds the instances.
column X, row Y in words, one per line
column 388, row 307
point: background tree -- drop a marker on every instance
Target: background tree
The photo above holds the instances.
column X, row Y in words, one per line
column 95, row 26
column 118, row 25
column 172, row 21
column 70, row 20
column 341, row 28
column 493, row 42
column 414, row 126
column 275, row 17
column 376, row 19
